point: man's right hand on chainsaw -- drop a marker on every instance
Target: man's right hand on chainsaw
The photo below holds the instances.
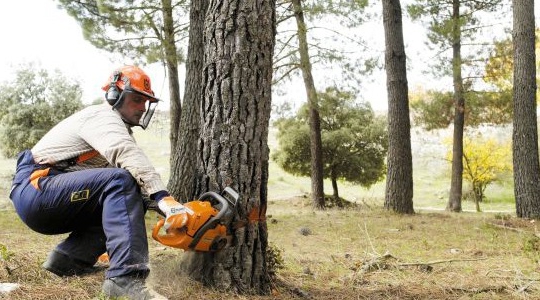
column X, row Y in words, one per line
column 175, row 213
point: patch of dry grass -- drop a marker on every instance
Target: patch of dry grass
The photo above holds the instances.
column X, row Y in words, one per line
column 359, row 253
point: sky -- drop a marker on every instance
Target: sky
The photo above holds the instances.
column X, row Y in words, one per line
column 36, row 31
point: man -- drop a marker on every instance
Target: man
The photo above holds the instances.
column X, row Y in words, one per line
column 87, row 177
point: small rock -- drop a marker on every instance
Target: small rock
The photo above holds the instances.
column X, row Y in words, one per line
column 305, row 231
column 300, row 292
column 425, row 268
column 455, row 251
column 6, row 287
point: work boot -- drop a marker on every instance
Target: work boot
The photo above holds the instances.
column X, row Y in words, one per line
column 132, row 287
column 63, row 265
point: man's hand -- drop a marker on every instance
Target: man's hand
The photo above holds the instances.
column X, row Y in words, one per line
column 175, row 213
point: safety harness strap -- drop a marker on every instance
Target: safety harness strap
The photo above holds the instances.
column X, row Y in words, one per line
column 43, row 172
column 86, row 156
column 36, row 175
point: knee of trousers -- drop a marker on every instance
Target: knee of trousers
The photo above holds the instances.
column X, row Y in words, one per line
column 122, row 179
column 122, row 182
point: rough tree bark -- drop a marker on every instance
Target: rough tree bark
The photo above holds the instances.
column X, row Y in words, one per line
column 184, row 155
column 171, row 60
column 525, row 134
column 399, row 179
column 317, row 176
column 456, row 184
column 233, row 145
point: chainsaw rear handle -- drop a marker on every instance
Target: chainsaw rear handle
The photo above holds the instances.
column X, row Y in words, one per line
column 163, row 239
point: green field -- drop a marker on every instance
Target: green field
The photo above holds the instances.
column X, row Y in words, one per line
column 431, row 175
column 430, row 170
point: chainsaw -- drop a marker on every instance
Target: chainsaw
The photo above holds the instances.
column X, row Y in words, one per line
column 207, row 228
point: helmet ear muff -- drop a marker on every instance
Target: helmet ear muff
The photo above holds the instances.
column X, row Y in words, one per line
column 113, row 93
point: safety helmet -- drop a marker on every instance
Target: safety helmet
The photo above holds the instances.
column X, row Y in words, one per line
column 130, row 79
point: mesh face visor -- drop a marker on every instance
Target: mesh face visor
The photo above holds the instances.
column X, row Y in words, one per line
column 150, row 109
column 150, row 105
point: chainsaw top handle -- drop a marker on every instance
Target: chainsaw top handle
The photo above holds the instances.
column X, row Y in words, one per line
column 219, row 218
column 225, row 201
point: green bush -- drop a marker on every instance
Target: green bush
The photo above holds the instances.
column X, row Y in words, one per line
column 31, row 104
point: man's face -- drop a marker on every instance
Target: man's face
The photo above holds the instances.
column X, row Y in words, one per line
column 133, row 107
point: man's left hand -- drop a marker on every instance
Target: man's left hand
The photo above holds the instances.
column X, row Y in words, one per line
column 175, row 213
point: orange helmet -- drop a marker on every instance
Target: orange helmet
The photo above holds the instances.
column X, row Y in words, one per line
column 128, row 78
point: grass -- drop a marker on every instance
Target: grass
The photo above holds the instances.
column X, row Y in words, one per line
column 359, row 253
column 363, row 252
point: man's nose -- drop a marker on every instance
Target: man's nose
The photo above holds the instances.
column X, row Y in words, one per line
column 142, row 106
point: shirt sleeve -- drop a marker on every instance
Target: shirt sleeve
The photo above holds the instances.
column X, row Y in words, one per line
column 107, row 134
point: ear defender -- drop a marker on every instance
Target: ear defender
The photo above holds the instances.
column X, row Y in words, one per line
column 113, row 93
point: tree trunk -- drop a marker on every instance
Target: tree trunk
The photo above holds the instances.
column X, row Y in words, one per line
column 184, row 155
column 335, row 189
column 478, row 194
column 477, row 205
column 171, row 60
column 233, row 145
column 525, row 134
column 456, row 185
column 317, row 176
column 399, row 179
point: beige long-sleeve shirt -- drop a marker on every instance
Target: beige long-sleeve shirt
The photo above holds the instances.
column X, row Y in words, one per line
column 99, row 128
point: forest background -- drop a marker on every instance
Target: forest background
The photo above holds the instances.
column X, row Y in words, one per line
column 430, row 194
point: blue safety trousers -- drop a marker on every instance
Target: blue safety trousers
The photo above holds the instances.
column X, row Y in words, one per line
column 101, row 208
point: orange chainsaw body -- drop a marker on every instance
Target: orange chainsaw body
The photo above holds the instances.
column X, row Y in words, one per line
column 203, row 231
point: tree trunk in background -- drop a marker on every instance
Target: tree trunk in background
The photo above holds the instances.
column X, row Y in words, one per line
column 456, row 185
column 233, row 144
column 335, row 189
column 171, row 60
column 317, row 176
column 184, row 155
column 399, row 179
column 525, row 134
